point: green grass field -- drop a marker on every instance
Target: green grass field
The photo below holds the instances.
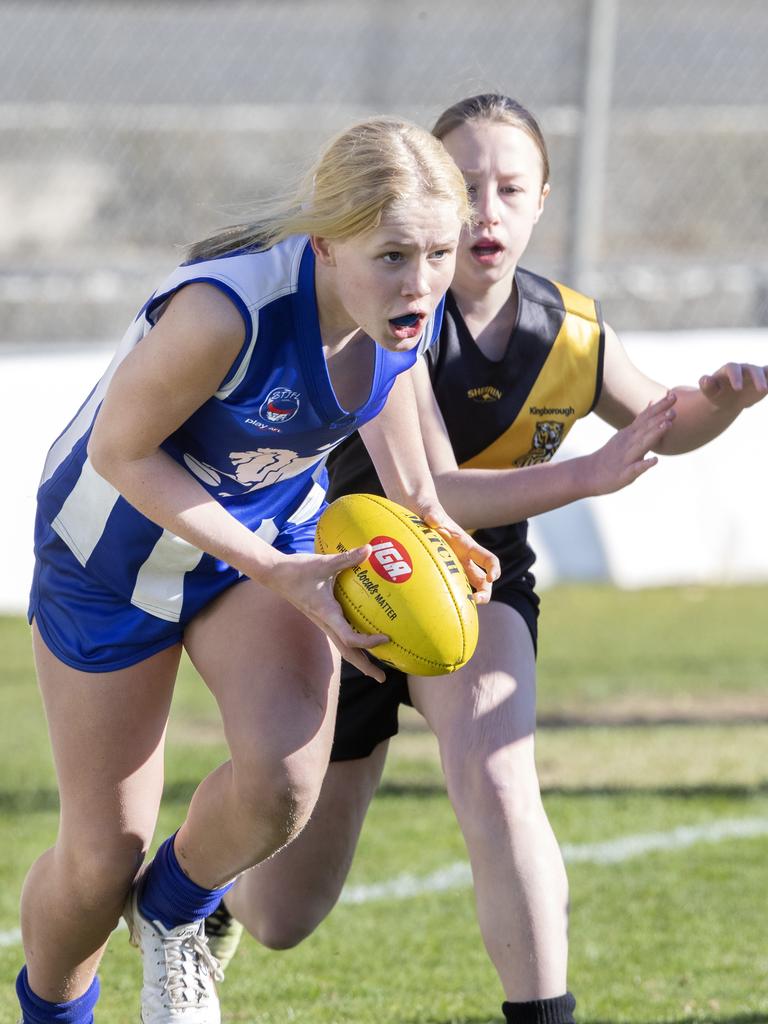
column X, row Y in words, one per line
column 654, row 712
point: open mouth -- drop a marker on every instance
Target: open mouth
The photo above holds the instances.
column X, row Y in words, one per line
column 486, row 250
column 406, row 321
column 406, row 326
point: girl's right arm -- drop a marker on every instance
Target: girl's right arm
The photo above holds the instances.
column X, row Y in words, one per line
column 479, row 498
column 176, row 368
column 702, row 412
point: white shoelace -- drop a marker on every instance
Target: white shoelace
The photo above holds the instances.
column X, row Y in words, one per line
column 188, row 962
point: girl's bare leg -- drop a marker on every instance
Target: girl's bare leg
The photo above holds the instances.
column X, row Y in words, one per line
column 107, row 732
column 275, row 678
column 484, row 717
column 284, row 899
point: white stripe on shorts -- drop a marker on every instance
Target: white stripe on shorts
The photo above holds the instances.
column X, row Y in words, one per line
column 159, row 588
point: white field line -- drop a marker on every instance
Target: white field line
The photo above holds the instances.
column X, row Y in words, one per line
column 613, row 851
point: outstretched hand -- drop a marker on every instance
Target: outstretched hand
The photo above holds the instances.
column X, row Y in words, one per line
column 735, row 386
column 625, row 456
column 307, row 582
column 481, row 565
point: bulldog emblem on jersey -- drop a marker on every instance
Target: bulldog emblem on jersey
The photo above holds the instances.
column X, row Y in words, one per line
column 546, row 440
column 250, row 471
column 281, row 404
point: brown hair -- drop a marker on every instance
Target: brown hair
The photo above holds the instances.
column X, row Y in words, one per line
column 359, row 175
column 497, row 108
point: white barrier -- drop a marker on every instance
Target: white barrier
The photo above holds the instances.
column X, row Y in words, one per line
column 697, row 518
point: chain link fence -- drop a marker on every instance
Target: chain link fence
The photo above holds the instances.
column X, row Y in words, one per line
column 130, row 128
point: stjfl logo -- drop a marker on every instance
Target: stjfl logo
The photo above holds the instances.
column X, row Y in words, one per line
column 281, row 404
column 390, row 560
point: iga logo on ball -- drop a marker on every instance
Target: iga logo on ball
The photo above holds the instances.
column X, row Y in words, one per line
column 390, row 561
column 412, row 588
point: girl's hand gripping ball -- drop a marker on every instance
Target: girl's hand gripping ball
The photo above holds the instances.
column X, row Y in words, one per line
column 411, row 588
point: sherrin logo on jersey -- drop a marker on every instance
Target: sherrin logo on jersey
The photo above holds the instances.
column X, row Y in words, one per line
column 412, row 588
column 281, row 404
column 483, row 395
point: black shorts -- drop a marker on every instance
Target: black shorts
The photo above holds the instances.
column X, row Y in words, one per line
column 368, row 710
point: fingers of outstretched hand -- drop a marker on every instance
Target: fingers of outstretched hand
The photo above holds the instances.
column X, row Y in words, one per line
column 729, row 377
column 645, row 431
column 663, row 404
column 652, row 429
column 757, row 377
column 641, row 466
column 747, row 380
column 710, row 386
column 662, row 409
column 623, row 458
column 735, row 374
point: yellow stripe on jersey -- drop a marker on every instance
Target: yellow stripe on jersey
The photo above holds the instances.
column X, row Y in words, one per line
column 563, row 392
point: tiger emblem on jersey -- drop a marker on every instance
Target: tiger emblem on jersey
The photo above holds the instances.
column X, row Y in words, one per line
column 546, row 440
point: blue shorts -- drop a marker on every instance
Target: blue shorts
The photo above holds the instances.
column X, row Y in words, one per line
column 94, row 629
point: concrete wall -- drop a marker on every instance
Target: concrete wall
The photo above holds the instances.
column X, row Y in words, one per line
column 699, row 518
column 137, row 126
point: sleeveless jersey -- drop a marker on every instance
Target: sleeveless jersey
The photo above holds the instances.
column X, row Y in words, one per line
column 511, row 412
column 258, row 446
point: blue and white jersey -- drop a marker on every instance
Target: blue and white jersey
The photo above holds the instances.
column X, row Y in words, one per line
column 258, row 446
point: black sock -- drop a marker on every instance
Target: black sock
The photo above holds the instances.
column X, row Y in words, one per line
column 541, row 1011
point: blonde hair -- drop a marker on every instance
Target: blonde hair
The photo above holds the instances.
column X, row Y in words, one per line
column 499, row 109
column 361, row 173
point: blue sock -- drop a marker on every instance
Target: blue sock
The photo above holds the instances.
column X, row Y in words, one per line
column 171, row 898
column 35, row 1010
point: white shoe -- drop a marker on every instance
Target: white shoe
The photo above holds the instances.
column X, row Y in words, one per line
column 179, row 970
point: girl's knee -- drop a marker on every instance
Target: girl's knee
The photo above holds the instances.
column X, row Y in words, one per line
column 281, row 931
column 504, row 780
column 284, row 923
column 99, row 869
column 278, row 802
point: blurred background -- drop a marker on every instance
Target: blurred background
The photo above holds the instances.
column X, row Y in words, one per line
column 129, row 129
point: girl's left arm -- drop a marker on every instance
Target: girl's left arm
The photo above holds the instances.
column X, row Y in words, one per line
column 396, row 448
column 701, row 413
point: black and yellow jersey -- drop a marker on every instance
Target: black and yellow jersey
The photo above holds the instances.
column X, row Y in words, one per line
column 512, row 412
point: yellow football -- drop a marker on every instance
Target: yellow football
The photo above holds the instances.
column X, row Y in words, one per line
column 412, row 588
